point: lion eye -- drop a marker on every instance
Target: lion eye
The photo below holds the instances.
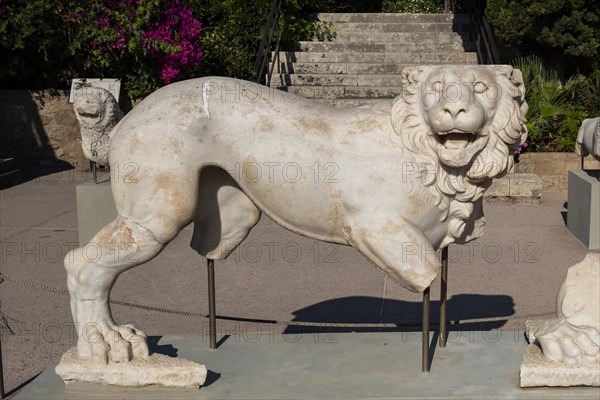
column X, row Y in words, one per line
column 480, row 87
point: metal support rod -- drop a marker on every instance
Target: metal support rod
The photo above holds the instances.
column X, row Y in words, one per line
column 582, row 162
column 2, row 394
column 94, row 171
column 425, row 327
column 212, row 316
column 444, row 297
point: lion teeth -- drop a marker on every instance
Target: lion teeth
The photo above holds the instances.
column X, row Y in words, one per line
column 457, row 140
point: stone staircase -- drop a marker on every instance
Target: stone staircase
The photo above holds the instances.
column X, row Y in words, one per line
column 363, row 62
column 9, row 172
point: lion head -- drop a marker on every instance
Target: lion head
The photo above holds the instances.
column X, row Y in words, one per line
column 463, row 123
column 97, row 112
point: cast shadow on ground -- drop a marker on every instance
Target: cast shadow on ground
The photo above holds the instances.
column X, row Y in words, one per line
column 408, row 315
column 26, row 151
column 165, row 349
column 171, row 351
column 565, row 214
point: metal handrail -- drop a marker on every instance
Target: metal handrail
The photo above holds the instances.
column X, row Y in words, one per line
column 479, row 29
column 487, row 51
column 272, row 31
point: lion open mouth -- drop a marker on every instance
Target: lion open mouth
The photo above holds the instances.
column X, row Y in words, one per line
column 457, row 147
column 456, row 139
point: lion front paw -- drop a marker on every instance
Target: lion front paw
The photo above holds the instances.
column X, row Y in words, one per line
column 573, row 345
column 106, row 343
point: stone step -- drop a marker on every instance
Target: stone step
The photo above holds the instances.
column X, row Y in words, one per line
column 424, row 39
column 341, row 80
column 7, row 164
column 360, row 43
column 362, row 27
column 388, row 91
column 374, row 57
column 361, row 68
column 345, row 103
column 397, row 58
column 10, row 174
column 392, row 18
column 340, row 68
column 455, row 42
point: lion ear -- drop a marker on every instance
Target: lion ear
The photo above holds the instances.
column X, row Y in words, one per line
column 411, row 75
column 516, row 78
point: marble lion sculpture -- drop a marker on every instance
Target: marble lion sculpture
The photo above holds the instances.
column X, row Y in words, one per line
column 405, row 178
column 588, row 138
column 97, row 112
column 565, row 351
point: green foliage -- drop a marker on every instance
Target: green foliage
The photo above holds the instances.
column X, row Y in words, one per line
column 32, row 45
column 556, row 109
column 564, row 30
column 233, row 30
column 146, row 43
column 413, row 6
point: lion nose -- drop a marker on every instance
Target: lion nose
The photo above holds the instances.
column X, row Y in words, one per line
column 454, row 109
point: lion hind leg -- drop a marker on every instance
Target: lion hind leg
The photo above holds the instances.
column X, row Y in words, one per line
column 399, row 250
column 224, row 217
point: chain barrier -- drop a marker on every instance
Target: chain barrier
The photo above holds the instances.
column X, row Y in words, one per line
column 272, row 322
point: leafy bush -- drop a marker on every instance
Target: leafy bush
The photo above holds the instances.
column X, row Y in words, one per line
column 556, row 109
column 33, row 46
column 147, row 43
column 563, row 30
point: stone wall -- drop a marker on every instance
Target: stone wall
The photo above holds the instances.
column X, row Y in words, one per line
column 552, row 168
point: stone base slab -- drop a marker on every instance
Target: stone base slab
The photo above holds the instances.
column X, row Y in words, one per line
column 516, row 188
column 537, row 371
column 156, row 370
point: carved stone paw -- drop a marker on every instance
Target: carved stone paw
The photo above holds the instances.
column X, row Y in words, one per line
column 106, row 343
column 573, row 345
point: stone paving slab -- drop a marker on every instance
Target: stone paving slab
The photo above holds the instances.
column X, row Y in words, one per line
column 346, row 366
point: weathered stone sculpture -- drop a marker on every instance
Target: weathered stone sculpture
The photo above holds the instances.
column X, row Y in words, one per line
column 588, row 138
column 396, row 181
column 97, row 112
column 570, row 344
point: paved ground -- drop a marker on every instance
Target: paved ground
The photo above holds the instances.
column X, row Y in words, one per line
column 516, row 268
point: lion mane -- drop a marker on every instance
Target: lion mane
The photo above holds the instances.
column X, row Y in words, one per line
column 456, row 189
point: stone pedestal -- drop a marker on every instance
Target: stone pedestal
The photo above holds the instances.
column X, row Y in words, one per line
column 583, row 218
column 95, row 209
